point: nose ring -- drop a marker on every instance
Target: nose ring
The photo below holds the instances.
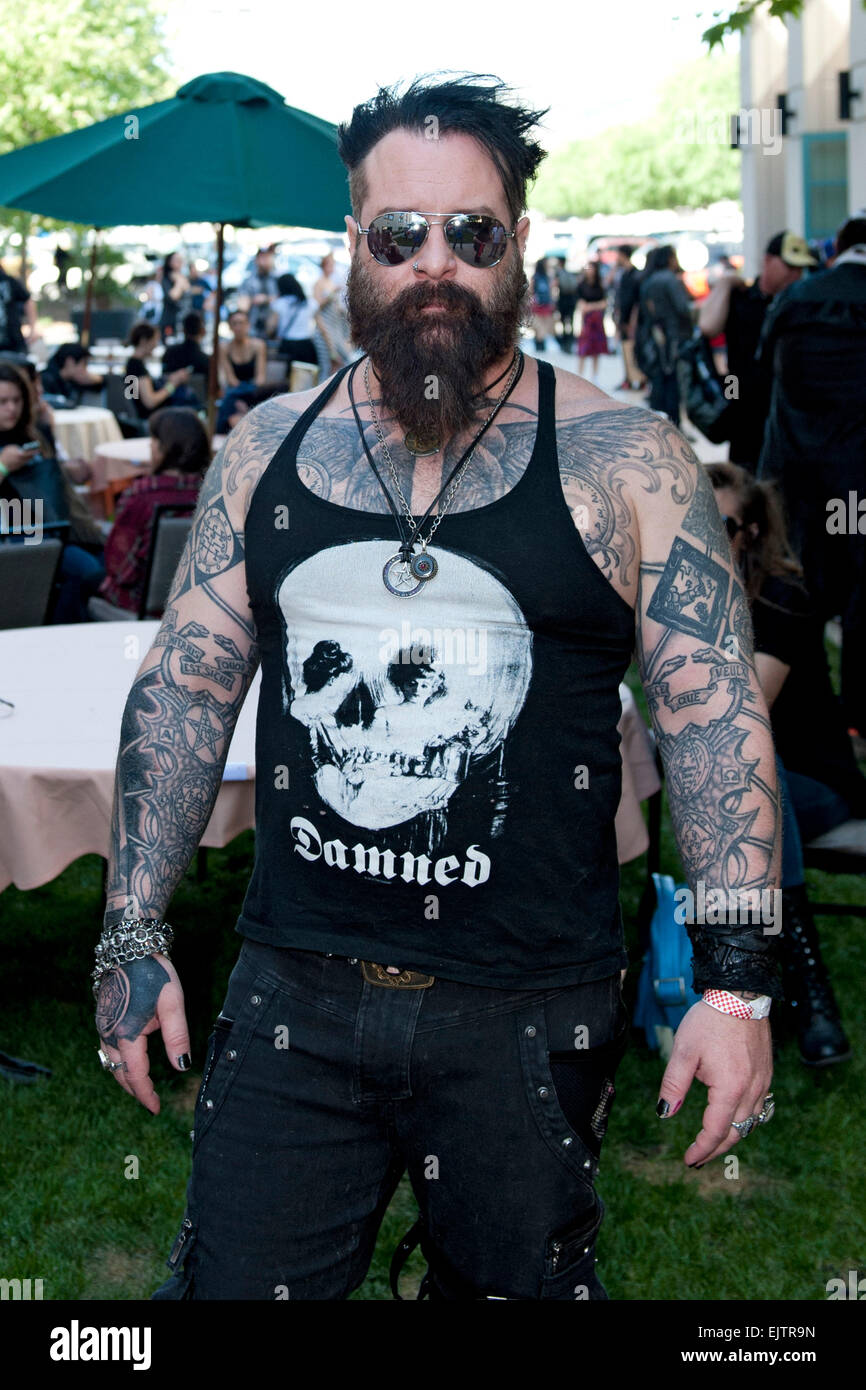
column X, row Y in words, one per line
column 416, row 266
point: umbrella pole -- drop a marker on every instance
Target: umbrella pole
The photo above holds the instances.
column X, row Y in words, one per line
column 213, row 376
column 88, row 298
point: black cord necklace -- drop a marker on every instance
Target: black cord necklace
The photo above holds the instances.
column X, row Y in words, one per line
column 406, row 573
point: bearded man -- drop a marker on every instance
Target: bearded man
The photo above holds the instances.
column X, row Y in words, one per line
column 430, row 976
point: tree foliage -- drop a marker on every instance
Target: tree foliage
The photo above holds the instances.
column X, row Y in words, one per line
column 63, row 66
column 679, row 157
column 739, row 19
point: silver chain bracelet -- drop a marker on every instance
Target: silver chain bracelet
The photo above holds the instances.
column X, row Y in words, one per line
column 132, row 939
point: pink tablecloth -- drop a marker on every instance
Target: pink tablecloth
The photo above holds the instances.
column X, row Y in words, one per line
column 58, row 747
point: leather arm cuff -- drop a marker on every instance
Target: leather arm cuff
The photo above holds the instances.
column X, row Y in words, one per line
column 744, row 959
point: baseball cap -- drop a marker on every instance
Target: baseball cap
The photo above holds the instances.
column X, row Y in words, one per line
column 790, row 248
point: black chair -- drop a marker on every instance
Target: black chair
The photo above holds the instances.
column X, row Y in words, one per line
column 123, row 410
column 27, row 574
column 171, row 526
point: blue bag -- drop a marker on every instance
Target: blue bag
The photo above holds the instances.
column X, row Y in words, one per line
column 664, row 992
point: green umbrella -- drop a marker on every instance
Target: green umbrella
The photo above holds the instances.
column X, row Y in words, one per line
column 225, row 148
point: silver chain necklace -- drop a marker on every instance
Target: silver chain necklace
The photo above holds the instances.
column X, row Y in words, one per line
column 405, row 574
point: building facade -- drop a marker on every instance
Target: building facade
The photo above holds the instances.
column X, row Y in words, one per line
column 803, row 148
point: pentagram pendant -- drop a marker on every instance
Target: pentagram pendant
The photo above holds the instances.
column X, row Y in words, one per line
column 399, row 579
column 420, row 445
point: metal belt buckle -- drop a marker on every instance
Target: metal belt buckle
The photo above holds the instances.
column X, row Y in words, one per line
column 407, row 979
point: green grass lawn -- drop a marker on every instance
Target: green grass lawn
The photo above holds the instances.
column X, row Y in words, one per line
column 793, row 1218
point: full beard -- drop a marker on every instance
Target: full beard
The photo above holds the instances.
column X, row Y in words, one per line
column 431, row 367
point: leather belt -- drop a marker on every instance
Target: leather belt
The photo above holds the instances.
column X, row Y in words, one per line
column 403, row 979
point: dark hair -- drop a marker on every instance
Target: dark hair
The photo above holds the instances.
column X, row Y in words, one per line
column 851, row 233
column 192, row 325
column 183, row 438
column 472, row 104
column 659, row 258
column 769, row 552
column 24, row 428
column 287, row 284
column 141, row 332
column 541, row 266
column 626, row 250
column 61, row 355
column 167, row 271
column 592, row 265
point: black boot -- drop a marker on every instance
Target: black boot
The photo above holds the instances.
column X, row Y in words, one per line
column 810, row 1002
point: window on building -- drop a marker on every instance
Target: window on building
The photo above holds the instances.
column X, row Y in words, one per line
column 825, row 183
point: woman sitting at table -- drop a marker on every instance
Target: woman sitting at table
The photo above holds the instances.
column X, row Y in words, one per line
column 144, row 340
column 244, row 359
column 180, row 455
column 30, row 472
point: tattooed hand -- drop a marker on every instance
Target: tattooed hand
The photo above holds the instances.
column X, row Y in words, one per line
column 134, row 1000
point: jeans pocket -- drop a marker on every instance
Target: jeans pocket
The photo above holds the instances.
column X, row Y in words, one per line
column 569, row 1262
column 245, row 1011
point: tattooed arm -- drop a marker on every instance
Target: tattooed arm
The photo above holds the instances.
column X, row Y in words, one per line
column 175, row 734
column 649, row 519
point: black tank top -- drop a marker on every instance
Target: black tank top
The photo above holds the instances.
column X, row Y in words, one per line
column 437, row 776
column 244, row 371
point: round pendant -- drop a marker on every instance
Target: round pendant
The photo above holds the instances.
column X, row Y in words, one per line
column 423, row 566
column 399, row 579
column 420, row 445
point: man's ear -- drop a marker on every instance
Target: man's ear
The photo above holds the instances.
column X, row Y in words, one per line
column 352, row 231
column 521, row 234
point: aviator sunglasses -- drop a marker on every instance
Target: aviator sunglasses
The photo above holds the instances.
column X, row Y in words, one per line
column 395, row 237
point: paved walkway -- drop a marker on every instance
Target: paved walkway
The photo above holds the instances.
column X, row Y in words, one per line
column 610, row 374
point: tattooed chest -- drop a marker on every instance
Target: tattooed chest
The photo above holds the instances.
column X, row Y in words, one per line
column 333, row 464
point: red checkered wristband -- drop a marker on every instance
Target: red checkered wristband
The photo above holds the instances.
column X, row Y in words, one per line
column 728, row 1003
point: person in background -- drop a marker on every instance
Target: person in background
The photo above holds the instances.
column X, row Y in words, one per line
column 293, row 322
column 180, row 455
column 201, row 296
column 16, row 308
column 153, row 298
column 591, row 303
column 176, row 292
column 813, row 352
column 242, row 371
column 566, row 300
column 144, row 340
column 259, row 289
column 665, row 317
column 820, row 778
column 625, row 318
column 67, row 374
column 62, row 262
column 542, row 288
column 332, row 319
column 81, row 566
column 738, row 310
column 188, row 353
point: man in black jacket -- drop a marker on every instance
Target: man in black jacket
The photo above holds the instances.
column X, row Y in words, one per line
column 814, row 346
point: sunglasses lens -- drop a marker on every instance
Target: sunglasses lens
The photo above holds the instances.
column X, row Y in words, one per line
column 395, row 237
column 477, row 239
column 732, row 526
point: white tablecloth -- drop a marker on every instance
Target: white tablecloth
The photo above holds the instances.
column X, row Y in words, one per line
column 79, row 431
column 58, row 747
column 58, row 750
column 127, row 458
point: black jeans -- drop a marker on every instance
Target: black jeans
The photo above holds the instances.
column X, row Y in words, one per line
column 321, row 1089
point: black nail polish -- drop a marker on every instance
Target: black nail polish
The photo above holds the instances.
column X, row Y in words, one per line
column 696, row 1166
column 662, row 1109
column 184, row 1062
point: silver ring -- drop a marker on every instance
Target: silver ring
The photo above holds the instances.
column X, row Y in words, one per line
column 106, row 1062
column 746, row 1126
column 767, row 1110
column 416, row 266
